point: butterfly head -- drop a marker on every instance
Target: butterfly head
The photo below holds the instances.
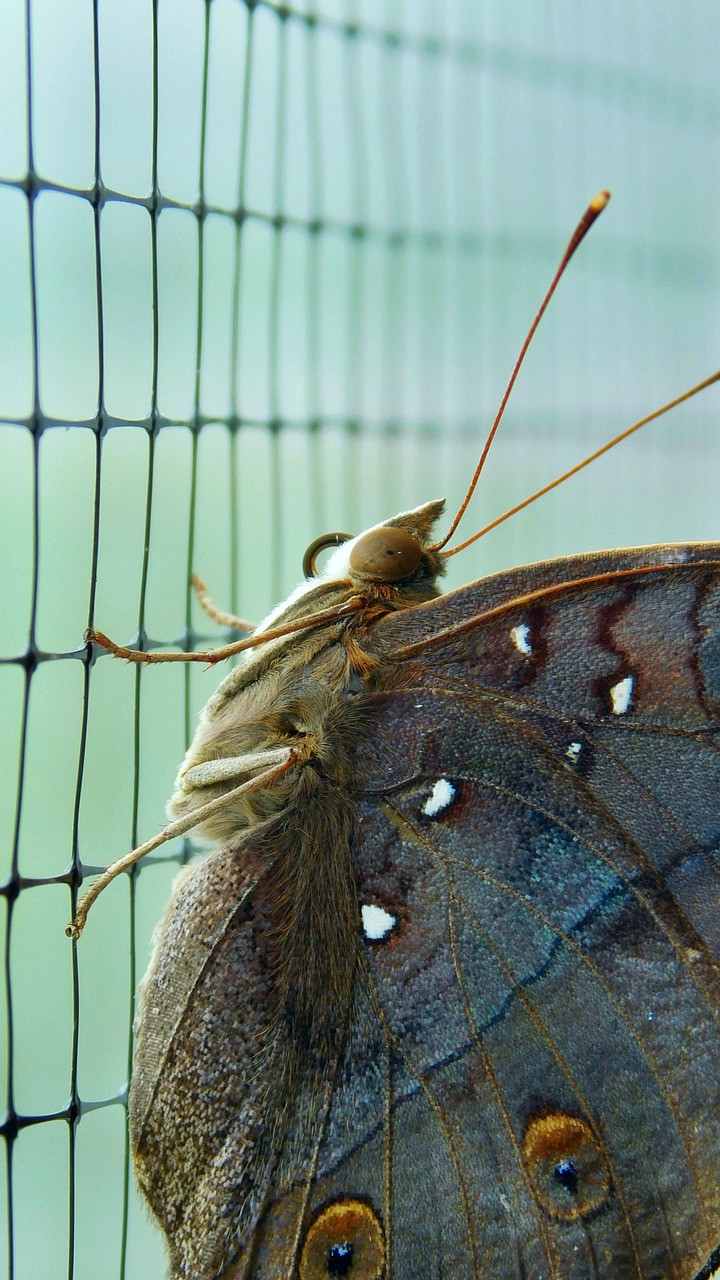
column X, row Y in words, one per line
column 394, row 557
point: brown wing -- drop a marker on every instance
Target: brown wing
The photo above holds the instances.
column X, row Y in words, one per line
column 525, row 1082
column 614, row 660
column 540, row 826
column 542, row 817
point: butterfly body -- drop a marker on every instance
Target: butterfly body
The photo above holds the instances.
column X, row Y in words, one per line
column 446, row 1000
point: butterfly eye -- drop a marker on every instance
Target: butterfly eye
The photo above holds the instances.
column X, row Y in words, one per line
column 346, row 1239
column 388, row 554
column 567, row 1165
column 322, row 543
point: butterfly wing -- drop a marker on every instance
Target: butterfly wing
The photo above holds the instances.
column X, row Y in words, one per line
column 537, row 1043
column 614, row 660
column 546, row 832
column 526, row 1080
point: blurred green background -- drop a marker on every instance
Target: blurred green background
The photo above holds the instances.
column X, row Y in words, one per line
column 359, row 205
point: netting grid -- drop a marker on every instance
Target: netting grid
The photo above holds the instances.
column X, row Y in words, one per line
column 265, row 270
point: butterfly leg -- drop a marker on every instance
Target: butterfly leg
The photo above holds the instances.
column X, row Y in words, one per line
column 285, row 758
column 220, row 616
column 354, row 604
column 210, row 656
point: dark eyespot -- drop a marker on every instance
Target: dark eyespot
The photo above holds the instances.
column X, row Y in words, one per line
column 321, row 544
column 388, row 554
column 346, row 1238
column 567, row 1176
column 340, row 1259
column 567, row 1165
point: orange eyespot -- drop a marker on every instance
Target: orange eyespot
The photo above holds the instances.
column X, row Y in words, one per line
column 388, row 554
column 566, row 1164
column 346, row 1238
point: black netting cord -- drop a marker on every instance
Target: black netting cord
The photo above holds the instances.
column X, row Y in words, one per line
column 359, row 235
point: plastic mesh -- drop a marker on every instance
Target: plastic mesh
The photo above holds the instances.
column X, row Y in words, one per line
column 267, row 268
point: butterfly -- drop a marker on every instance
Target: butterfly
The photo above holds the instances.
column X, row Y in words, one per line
column 445, row 1001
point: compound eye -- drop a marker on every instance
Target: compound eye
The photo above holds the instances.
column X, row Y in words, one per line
column 387, row 554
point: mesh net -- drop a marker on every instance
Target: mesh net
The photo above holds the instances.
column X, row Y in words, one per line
column 267, row 267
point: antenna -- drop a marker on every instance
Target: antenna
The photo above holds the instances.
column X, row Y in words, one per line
column 593, row 211
column 672, row 404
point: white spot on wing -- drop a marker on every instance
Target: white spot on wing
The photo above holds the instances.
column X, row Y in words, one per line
column 377, row 922
column 620, row 695
column 573, row 751
column 441, row 796
column 520, row 637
